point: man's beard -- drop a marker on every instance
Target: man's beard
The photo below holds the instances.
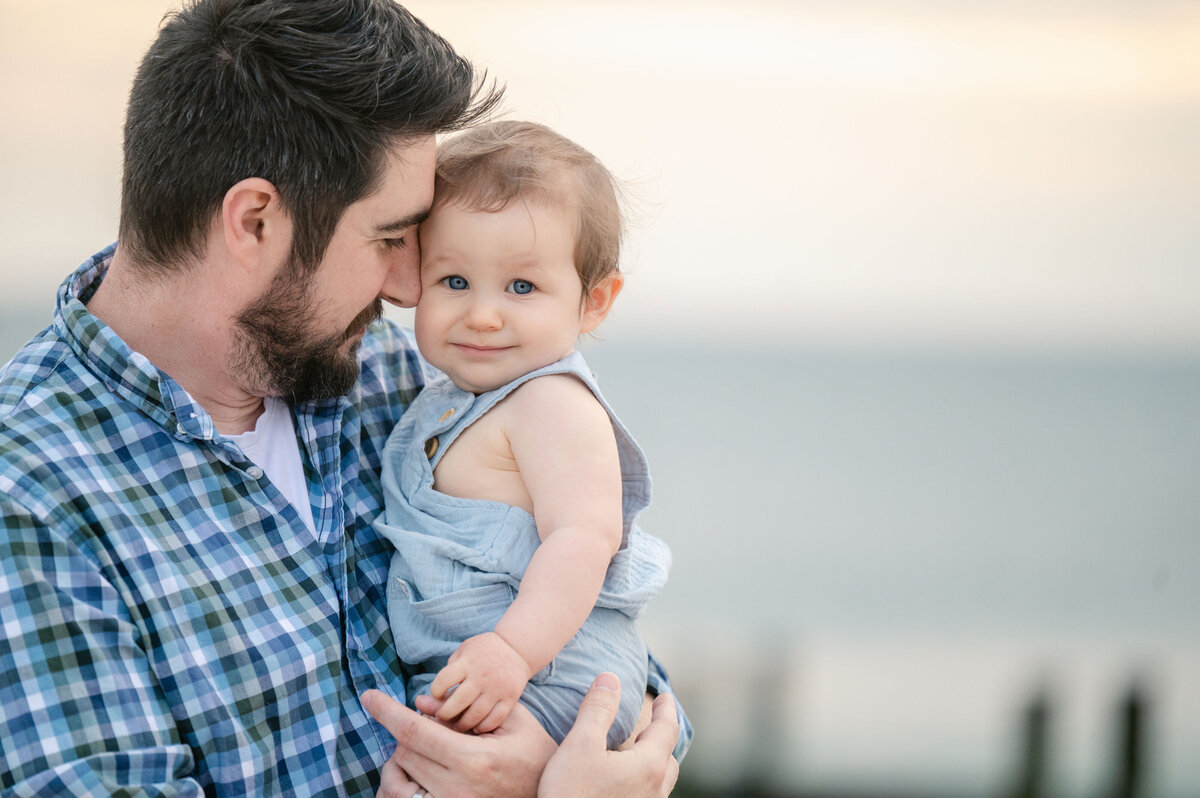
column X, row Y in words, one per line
column 276, row 353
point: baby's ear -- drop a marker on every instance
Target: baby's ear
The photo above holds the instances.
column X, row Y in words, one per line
column 599, row 301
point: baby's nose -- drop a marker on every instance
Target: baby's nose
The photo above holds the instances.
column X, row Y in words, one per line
column 484, row 315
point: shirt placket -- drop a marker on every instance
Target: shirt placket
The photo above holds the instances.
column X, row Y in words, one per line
column 321, row 433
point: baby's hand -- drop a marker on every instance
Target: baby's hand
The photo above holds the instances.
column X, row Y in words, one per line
column 490, row 675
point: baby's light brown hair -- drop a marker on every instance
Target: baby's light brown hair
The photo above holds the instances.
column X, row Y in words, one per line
column 487, row 167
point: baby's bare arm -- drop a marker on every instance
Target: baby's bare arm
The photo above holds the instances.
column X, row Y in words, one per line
column 563, row 442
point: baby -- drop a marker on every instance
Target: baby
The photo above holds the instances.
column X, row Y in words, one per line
column 511, row 488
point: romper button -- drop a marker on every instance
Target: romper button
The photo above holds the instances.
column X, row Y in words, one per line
column 447, row 414
column 431, row 447
column 254, row 472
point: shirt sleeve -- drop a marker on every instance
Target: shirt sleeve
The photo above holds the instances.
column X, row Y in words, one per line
column 80, row 712
column 658, row 682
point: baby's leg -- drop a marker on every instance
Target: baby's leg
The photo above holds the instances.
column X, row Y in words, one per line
column 608, row 641
column 554, row 706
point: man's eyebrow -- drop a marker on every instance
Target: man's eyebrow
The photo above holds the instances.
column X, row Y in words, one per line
column 395, row 226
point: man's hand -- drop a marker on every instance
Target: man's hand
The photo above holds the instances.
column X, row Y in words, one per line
column 506, row 763
column 490, row 675
column 583, row 768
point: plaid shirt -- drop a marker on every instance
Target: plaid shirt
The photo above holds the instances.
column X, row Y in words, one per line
column 168, row 625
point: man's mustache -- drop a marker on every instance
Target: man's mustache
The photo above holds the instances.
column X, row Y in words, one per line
column 370, row 314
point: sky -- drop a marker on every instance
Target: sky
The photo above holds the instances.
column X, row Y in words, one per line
column 967, row 174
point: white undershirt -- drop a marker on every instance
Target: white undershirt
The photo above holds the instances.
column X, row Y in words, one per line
column 273, row 447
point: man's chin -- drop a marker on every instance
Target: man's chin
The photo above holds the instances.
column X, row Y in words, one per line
column 328, row 379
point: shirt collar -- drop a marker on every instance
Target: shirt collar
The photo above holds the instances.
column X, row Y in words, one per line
column 128, row 374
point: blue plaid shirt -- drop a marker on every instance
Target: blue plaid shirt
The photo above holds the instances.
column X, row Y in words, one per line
column 168, row 626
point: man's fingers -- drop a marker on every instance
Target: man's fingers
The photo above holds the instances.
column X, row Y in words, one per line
column 431, row 776
column 657, row 742
column 393, row 715
column 663, row 731
column 423, row 748
column 671, row 776
column 394, row 782
column 428, row 705
column 412, row 732
column 597, row 712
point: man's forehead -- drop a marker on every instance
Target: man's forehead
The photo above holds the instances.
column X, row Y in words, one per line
column 405, row 191
column 412, row 159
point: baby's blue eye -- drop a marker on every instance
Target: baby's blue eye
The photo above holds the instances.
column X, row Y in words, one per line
column 521, row 287
column 455, row 283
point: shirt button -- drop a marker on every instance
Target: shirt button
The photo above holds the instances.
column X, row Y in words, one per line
column 254, row 472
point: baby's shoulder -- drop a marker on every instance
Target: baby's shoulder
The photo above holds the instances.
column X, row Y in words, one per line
column 552, row 399
column 552, row 390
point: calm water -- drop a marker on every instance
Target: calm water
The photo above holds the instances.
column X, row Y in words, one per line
column 897, row 549
column 915, row 543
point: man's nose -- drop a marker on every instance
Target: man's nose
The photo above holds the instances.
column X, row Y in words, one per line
column 403, row 284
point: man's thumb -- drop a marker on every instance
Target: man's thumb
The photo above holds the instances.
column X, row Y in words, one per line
column 597, row 711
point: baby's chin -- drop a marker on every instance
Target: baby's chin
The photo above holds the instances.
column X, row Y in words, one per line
column 474, row 388
column 476, row 383
column 464, row 382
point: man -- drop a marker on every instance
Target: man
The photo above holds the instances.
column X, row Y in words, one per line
column 189, row 455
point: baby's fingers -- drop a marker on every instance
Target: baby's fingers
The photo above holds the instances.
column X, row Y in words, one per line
column 458, row 701
column 494, row 718
column 474, row 715
column 447, row 677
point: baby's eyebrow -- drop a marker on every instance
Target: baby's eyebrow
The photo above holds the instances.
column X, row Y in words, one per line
column 440, row 259
column 396, row 225
column 528, row 264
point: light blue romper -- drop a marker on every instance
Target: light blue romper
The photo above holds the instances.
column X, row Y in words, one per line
column 459, row 562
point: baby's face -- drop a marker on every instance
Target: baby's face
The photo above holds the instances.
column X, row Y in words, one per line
column 500, row 296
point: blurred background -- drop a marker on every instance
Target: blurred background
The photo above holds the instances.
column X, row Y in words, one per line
column 911, row 338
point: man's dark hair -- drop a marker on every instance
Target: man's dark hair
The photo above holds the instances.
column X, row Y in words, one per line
column 307, row 94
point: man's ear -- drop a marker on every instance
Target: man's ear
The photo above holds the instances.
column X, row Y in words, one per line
column 599, row 301
column 253, row 224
